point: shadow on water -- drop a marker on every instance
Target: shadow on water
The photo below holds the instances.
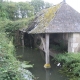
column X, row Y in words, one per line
column 38, row 70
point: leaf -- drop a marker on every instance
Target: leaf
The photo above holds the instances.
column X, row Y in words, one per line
column 26, row 66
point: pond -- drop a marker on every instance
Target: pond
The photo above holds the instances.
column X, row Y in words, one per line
column 36, row 57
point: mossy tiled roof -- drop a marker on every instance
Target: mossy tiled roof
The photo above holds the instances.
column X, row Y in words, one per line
column 43, row 19
column 57, row 19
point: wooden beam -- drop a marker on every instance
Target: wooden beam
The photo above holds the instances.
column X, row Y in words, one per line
column 43, row 42
column 22, row 37
column 47, row 57
column 47, row 48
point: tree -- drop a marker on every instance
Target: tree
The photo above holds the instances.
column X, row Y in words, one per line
column 2, row 10
column 12, row 10
column 38, row 5
column 47, row 5
column 25, row 9
column 1, row 1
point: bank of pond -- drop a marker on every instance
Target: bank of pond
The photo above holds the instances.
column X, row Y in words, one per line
column 10, row 67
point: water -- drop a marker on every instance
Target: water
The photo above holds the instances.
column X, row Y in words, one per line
column 36, row 58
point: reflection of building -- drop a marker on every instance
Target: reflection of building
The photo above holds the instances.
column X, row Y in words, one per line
column 47, row 74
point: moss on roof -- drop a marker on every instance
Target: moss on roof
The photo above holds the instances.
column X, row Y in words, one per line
column 44, row 19
column 51, row 13
column 61, row 18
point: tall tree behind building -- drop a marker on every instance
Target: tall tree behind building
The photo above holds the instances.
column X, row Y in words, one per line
column 25, row 9
column 38, row 5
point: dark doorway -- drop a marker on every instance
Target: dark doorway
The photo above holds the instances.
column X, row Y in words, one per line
column 28, row 40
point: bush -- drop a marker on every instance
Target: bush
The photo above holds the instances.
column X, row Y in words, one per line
column 10, row 67
column 70, row 64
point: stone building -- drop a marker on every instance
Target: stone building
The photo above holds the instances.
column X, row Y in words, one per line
column 60, row 19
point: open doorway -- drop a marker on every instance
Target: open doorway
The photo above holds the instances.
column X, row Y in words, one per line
column 59, row 42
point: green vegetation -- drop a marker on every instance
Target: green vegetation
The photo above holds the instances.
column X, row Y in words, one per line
column 10, row 67
column 14, row 16
column 12, row 26
column 60, row 47
column 39, row 5
column 50, row 13
column 14, row 11
column 70, row 64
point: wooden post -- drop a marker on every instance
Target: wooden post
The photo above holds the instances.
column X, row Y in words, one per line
column 47, row 59
column 22, row 37
column 43, row 43
column 47, row 48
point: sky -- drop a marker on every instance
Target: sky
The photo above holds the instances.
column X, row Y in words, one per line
column 73, row 3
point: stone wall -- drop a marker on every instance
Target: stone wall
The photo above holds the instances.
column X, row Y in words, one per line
column 74, row 42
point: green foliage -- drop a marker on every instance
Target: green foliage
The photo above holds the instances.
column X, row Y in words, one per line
column 10, row 68
column 11, row 26
column 1, row 1
column 70, row 64
column 12, row 10
column 3, row 13
column 26, row 9
column 19, row 10
column 59, row 47
column 47, row 5
column 38, row 5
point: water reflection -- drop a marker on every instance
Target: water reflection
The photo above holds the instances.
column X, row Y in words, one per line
column 35, row 57
column 23, row 50
column 48, row 74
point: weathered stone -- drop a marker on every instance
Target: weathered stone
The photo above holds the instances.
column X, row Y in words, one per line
column 76, row 35
column 69, row 49
column 72, row 49
column 74, row 45
column 74, row 42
